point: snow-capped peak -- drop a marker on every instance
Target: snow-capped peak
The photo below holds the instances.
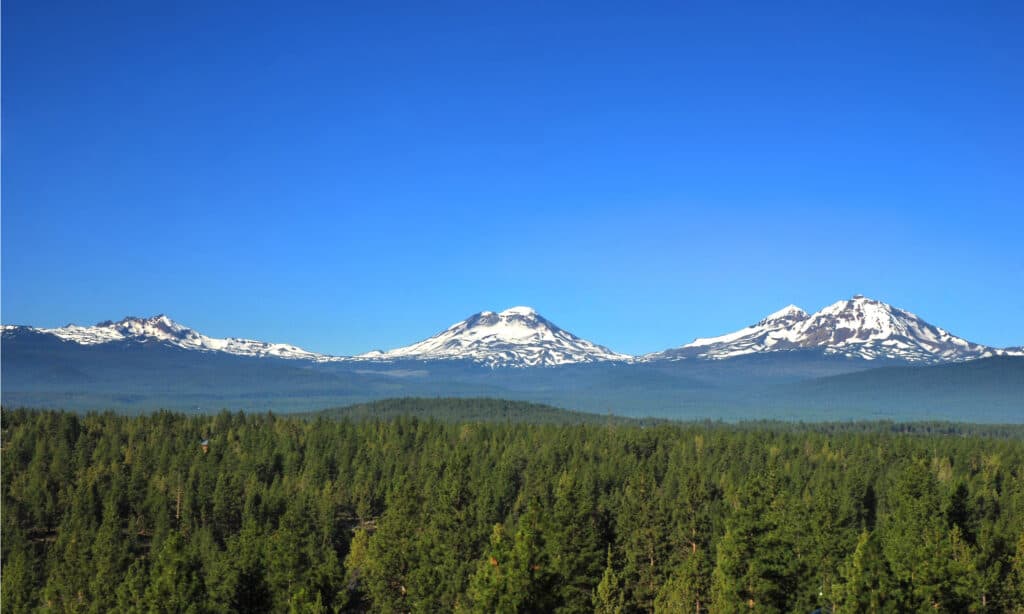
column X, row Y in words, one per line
column 787, row 313
column 519, row 311
column 866, row 328
column 157, row 327
column 162, row 329
column 518, row 336
column 858, row 327
column 766, row 333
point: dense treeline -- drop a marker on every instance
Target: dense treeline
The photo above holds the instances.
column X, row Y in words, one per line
column 106, row 512
column 458, row 409
column 461, row 409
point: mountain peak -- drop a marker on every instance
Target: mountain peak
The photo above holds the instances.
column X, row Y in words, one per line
column 519, row 311
column 160, row 329
column 856, row 298
column 858, row 327
column 789, row 312
column 157, row 320
column 518, row 337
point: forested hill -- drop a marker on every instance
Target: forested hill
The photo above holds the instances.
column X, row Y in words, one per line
column 502, row 410
column 115, row 513
column 471, row 410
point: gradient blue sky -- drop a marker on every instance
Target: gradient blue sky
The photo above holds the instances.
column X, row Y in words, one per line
column 348, row 177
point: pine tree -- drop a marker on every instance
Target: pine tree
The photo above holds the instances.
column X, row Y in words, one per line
column 752, row 569
column 924, row 553
column 110, row 559
column 356, row 568
column 241, row 582
column 575, row 541
column 19, row 578
column 130, row 593
column 176, row 579
column 608, row 597
column 1015, row 580
column 643, row 531
column 498, row 585
column 393, row 551
column 688, row 588
column 868, row 584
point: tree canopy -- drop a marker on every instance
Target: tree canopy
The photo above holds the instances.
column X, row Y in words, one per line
column 317, row 514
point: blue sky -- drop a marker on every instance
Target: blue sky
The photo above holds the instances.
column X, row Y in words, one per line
column 348, row 177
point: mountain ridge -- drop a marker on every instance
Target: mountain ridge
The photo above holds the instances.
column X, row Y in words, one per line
column 859, row 328
column 162, row 329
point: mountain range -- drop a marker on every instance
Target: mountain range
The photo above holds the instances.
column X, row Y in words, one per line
column 857, row 358
column 859, row 327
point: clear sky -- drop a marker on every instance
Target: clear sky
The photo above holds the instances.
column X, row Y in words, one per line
column 352, row 176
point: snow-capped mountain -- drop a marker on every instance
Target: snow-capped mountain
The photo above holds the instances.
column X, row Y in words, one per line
column 859, row 327
column 517, row 337
column 161, row 329
column 759, row 337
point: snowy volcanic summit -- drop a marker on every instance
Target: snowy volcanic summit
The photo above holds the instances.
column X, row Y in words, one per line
column 515, row 337
column 858, row 328
column 161, row 329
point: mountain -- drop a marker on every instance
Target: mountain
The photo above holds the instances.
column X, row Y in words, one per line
column 759, row 337
column 161, row 329
column 517, row 337
column 859, row 327
column 144, row 365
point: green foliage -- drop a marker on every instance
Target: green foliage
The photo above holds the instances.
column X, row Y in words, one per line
column 869, row 584
column 113, row 513
column 688, row 588
column 176, row 581
column 608, row 596
column 457, row 409
column 504, row 579
column 755, row 557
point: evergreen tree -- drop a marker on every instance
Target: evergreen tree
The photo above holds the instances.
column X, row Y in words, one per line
column 20, row 575
column 575, row 541
column 1015, row 580
column 176, row 580
column 688, row 588
column 499, row 584
column 868, row 584
column 111, row 557
column 753, row 568
column 643, row 528
column 130, row 593
column 608, row 597
column 928, row 557
column 111, row 513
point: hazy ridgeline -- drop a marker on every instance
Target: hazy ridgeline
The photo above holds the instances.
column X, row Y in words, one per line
column 441, row 513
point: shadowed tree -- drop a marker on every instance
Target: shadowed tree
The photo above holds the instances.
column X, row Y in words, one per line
column 753, row 569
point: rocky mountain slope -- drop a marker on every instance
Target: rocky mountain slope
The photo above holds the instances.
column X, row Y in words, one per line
column 161, row 329
column 859, row 327
column 515, row 337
